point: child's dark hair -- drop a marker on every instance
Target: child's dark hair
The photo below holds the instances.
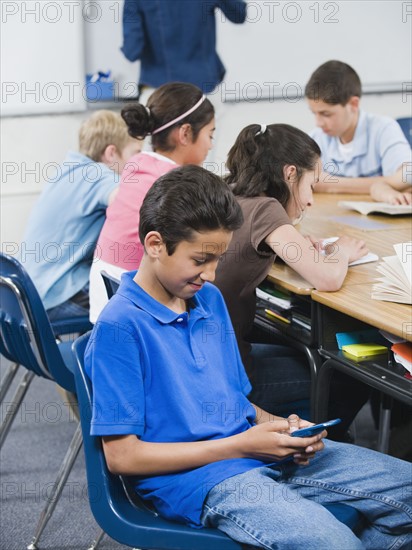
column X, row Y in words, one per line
column 257, row 159
column 165, row 104
column 334, row 82
column 188, row 199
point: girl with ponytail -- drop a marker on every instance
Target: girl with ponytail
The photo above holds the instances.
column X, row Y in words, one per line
column 180, row 121
column 272, row 171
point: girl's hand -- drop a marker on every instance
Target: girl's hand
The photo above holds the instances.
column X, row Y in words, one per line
column 351, row 248
column 315, row 242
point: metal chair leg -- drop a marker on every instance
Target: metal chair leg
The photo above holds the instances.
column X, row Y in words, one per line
column 18, row 397
column 65, row 469
column 8, row 379
column 97, row 540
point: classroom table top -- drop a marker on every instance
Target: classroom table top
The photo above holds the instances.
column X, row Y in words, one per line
column 325, row 220
column 380, row 233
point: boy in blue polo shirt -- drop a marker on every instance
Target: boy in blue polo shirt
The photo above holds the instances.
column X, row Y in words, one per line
column 361, row 152
column 170, row 399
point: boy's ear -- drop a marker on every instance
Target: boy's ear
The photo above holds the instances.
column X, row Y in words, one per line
column 110, row 155
column 153, row 244
column 354, row 102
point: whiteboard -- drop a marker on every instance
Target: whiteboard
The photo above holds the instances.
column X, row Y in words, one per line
column 103, row 39
column 42, row 57
column 282, row 43
column 274, row 52
column 48, row 46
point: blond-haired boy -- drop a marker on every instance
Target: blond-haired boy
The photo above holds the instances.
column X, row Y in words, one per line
column 61, row 235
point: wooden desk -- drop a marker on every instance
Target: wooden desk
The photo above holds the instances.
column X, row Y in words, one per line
column 351, row 308
column 284, row 276
column 326, row 207
column 320, row 223
column 354, row 300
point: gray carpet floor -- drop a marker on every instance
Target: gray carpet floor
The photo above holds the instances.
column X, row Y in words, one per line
column 29, row 462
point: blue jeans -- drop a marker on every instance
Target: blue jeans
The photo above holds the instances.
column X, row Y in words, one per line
column 280, row 380
column 281, row 508
column 77, row 306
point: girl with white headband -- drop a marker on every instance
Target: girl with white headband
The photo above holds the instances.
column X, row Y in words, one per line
column 180, row 121
column 273, row 170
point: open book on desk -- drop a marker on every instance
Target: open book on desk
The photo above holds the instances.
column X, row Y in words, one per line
column 396, row 283
column 377, row 207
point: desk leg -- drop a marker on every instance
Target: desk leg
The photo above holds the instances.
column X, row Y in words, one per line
column 322, row 401
column 322, row 390
column 315, row 361
column 384, row 423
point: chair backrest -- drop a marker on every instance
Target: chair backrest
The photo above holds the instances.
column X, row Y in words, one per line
column 126, row 520
column 111, row 284
column 26, row 336
column 406, row 124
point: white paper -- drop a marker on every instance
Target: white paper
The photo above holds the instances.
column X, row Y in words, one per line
column 370, row 256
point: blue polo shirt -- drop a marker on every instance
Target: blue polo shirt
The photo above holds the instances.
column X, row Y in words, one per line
column 169, row 377
column 64, row 225
column 379, row 148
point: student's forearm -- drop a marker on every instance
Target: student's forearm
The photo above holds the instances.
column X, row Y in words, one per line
column 338, row 184
column 268, row 441
column 330, row 183
column 325, row 272
column 130, row 456
column 401, row 179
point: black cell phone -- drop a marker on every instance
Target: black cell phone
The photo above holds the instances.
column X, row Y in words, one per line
column 316, row 429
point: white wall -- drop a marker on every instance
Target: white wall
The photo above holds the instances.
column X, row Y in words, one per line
column 42, row 57
column 283, row 42
column 279, row 45
column 30, row 146
column 47, row 43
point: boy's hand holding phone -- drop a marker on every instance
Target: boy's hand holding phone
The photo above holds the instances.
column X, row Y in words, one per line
column 314, row 429
column 308, row 430
column 271, row 441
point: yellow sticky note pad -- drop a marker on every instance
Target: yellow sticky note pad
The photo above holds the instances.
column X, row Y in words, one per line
column 364, row 350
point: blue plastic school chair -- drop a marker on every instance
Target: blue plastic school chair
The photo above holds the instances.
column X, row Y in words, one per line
column 123, row 515
column 111, row 283
column 406, row 124
column 27, row 339
column 62, row 327
column 117, row 509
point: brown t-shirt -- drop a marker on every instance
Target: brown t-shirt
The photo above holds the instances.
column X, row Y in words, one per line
column 247, row 262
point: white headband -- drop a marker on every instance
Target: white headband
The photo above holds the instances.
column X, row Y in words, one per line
column 181, row 117
column 262, row 130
